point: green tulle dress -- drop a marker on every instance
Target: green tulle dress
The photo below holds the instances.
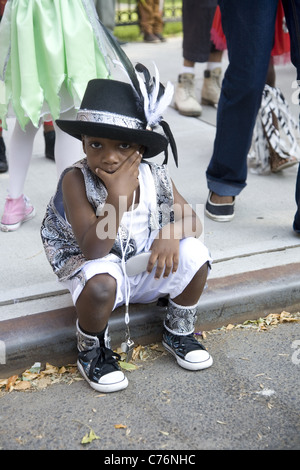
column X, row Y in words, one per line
column 49, row 50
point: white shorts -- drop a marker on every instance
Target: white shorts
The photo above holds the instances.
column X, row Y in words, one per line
column 143, row 287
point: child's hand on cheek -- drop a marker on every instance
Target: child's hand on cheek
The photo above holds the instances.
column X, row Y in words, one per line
column 124, row 181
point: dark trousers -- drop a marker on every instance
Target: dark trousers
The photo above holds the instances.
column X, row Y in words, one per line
column 249, row 29
column 197, row 18
column 150, row 17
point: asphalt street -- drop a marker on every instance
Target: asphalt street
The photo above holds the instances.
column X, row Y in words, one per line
column 248, row 400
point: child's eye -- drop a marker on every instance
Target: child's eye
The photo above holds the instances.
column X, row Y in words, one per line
column 96, row 145
column 125, row 146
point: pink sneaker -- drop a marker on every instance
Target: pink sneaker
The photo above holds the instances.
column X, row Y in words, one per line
column 16, row 211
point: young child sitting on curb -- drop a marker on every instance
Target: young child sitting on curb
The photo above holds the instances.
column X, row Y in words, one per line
column 110, row 207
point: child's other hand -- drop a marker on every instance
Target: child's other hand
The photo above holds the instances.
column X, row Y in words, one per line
column 165, row 252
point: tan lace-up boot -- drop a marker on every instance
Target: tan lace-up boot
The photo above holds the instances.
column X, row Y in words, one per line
column 211, row 89
column 185, row 97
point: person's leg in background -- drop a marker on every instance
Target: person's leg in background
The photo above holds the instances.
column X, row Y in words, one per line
column 146, row 20
column 49, row 138
column 21, row 147
column 106, row 10
column 296, row 223
column 292, row 16
column 158, row 23
column 3, row 159
column 197, row 18
column 67, row 149
column 249, row 31
column 211, row 89
column 17, row 207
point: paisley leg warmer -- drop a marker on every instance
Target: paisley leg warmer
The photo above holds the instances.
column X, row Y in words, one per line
column 180, row 320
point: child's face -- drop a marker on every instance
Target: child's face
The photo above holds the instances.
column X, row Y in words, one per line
column 107, row 154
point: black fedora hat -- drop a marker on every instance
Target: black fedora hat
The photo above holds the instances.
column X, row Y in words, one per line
column 111, row 109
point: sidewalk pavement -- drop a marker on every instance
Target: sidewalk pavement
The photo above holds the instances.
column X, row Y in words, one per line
column 256, row 256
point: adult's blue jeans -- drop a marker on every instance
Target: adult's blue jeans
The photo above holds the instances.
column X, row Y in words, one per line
column 249, row 29
column 296, row 224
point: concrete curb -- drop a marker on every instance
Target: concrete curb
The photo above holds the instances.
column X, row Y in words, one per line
column 50, row 336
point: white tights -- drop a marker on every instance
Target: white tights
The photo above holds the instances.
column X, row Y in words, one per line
column 67, row 152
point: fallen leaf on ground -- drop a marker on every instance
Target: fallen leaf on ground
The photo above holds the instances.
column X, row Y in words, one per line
column 136, row 352
column 10, row 382
column 36, row 379
column 22, row 385
column 260, row 324
column 128, row 365
column 27, row 375
column 89, row 437
column 157, row 347
column 43, row 382
column 49, row 369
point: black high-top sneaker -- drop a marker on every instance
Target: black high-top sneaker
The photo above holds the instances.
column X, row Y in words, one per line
column 3, row 161
column 188, row 352
column 98, row 364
